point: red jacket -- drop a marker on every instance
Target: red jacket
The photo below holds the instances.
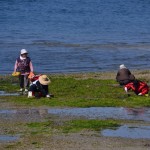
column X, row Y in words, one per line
column 140, row 87
column 34, row 78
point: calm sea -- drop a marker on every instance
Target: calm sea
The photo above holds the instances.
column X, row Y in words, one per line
column 75, row 35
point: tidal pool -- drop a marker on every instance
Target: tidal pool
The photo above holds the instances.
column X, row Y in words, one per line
column 3, row 93
column 142, row 114
column 24, row 115
column 7, row 111
column 8, row 138
column 126, row 131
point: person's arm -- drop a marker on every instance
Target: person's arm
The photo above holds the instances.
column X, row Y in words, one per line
column 128, row 86
column 31, row 66
column 126, row 89
column 15, row 66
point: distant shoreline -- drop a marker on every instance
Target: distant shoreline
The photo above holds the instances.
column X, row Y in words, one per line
column 144, row 74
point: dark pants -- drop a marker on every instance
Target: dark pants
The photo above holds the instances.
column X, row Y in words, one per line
column 38, row 92
column 24, row 81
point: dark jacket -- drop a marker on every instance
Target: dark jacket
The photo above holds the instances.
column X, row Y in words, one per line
column 124, row 76
column 38, row 87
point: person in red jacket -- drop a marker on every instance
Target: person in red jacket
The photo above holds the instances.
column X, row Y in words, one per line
column 139, row 87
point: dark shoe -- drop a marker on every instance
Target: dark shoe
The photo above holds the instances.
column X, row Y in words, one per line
column 37, row 96
column 51, row 95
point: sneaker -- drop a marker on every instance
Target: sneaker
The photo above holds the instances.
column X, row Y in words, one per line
column 30, row 94
column 26, row 90
column 21, row 90
column 51, row 95
column 48, row 96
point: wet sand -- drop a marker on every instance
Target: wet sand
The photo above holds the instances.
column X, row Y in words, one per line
column 56, row 140
column 85, row 140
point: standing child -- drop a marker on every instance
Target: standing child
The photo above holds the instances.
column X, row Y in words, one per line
column 23, row 65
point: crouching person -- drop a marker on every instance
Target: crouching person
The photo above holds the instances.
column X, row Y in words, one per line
column 39, row 88
column 124, row 75
column 139, row 87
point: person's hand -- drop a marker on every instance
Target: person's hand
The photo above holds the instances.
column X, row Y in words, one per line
column 126, row 89
column 48, row 96
column 31, row 75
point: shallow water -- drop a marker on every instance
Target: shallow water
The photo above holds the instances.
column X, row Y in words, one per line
column 74, row 35
column 3, row 93
column 24, row 115
column 125, row 131
column 105, row 113
column 7, row 111
column 8, row 138
column 128, row 131
column 142, row 114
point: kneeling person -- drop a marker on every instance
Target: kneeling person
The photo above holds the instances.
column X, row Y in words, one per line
column 39, row 88
column 139, row 87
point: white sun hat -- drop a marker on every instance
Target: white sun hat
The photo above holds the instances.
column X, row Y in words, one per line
column 122, row 66
column 23, row 51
